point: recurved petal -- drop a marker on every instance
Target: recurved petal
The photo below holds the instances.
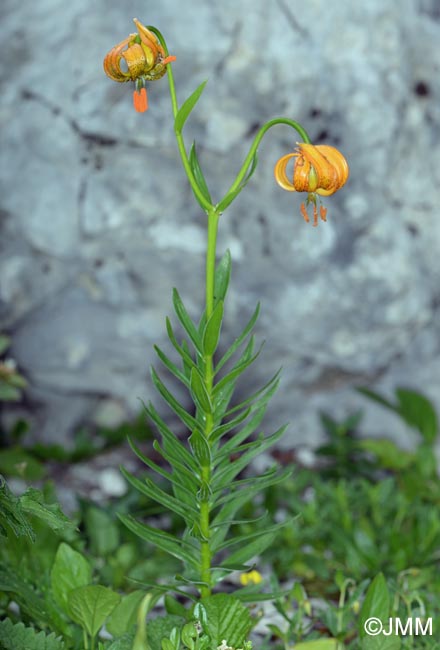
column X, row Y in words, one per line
column 326, row 173
column 338, row 161
column 136, row 60
column 280, row 172
column 112, row 60
column 148, row 38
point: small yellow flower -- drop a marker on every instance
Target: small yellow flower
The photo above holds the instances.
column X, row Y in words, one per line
column 251, row 578
column 318, row 170
column 145, row 60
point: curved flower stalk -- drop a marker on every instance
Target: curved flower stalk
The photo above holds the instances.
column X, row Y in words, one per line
column 318, row 170
column 144, row 58
column 204, row 472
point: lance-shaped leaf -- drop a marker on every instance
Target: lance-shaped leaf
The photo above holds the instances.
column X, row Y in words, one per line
column 149, row 489
column 171, row 366
column 253, row 547
column 227, row 200
column 222, row 277
column 212, row 328
column 167, row 542
column 187, row 107
column 201, row 448
column 239, row 340
column 199, row 393
column 198, row 174
column 186, row 321
column 183, row 349
column 174, row 445
column 185, row 483
column 178, row 409
column 230, row 471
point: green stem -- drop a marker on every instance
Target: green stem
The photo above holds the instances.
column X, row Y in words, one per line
column 254, row 146
column 213, row 218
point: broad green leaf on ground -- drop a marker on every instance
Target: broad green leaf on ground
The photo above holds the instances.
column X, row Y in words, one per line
column 12, row 515
column 91, row 605
column 227, row 619
column 102, row 531
column 376, row 603
column 319, row 644
column 19, row 637
column 70, row 570
column 381, row 642
column 51, row 514
column 123, row 617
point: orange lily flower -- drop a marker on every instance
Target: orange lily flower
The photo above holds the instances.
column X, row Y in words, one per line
column 145, row 60
column 318, row 170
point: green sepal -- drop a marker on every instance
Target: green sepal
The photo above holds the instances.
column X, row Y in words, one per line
column 186, row 322
column 239, row 340
column 165, row 541
column 212, row 329
column 187, row 107
column 199, row 393
column 201, row 448
column 198, row 174
column 222, row 277
column 227, row 200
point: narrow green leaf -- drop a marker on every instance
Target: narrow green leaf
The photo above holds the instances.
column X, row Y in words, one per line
column 222, row 429
column 222, row 277
column 236, row 371
column 244, row 540
column 167, row 542
column 199, row 393
column 232, row 469
column 187, row 107
column 183, row 349
column 239, row 340
column 91, row 605
column 186, row 418
column 211, row 332
column 171, row 366
column 186, row 322
column 182, row 482
column 231, row 196
column 252, row 548
column 418, row 412
column 201, row 448
column 241, row 435
column 253, row 485
column 149, row 489
column 198, row 174
column 174, row 446
column 260, row 397
column 69, row 571
column 187, row 476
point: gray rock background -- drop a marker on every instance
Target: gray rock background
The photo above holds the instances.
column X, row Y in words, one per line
column 98, row 222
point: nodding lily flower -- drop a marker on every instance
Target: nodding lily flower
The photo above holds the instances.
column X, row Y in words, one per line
column 144, row 58
column 318, row 170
